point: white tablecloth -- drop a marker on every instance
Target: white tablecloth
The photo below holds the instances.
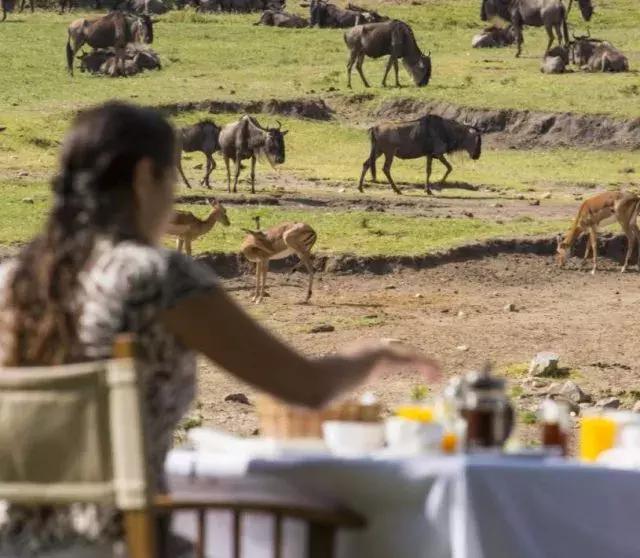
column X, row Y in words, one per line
column 454, row 507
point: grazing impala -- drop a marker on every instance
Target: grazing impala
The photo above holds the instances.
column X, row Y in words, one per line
column 602, row 209
column 277, row 243
column 187, row 227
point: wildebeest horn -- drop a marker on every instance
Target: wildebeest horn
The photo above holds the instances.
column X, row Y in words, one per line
column 279, row 124
column 248, row 231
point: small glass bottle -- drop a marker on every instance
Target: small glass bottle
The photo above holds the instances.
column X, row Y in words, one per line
column 554, row 420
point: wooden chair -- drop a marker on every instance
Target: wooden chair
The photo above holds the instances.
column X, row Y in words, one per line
column 75, row 433
column 263, row 495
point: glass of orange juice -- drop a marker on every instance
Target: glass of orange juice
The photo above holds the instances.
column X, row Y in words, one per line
column 597, row 434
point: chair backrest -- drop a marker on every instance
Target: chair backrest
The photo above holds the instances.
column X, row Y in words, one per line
column 74, row 433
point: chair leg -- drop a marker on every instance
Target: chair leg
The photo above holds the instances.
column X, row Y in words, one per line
column 277, row 536
column 202, row 534
column 140, row 533
column 237, row 534
column 320, row 543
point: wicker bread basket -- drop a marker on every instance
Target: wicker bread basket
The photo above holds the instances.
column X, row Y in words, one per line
column 283, row 421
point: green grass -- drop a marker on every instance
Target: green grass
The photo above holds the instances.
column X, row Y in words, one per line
column 212, row 56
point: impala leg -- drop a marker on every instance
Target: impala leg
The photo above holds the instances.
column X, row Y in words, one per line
column 631, row 233
column 386, row 168
column 593, row 237
column 447, row 165
column 359, row 62
column 255, row 293
column 263, row 281
column 305, row 258
column 427, row 186
column 587, row 251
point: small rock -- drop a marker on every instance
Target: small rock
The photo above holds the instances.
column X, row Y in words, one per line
column 544, row 364
column 256, row 432
column 574, row 408
column 322, row 328
column 511, row 307
column 462, row 348
column 461, row 314
column 608, row 403
column 342, row 190
column 497, row 205
column 468, row 214
column 238, row 398
column 390, row 341
column 27, row 200
column 546, row 196
column 418, row 295
column 636, row 407
column 22, row 174
column 535, row 202
column 573, row 391
column 444, row 311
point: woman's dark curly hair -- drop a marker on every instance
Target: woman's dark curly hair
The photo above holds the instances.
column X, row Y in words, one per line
column 93, row 198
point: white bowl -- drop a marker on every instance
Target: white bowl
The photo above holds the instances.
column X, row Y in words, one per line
column 413, row 436
column 352, row 439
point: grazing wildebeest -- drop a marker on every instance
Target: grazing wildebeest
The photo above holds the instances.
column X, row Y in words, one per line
column 275, row 18
column 247, row 139
column 494, row 37
column 595, row 55
column 537, row 13
column 430, row 136
column 325, row 14
column 393, row 38
column 203, row 137
column 115, row 30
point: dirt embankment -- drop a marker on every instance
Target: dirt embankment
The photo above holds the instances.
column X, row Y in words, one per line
column 314, row 109
column 233, row 265
column 527, row 129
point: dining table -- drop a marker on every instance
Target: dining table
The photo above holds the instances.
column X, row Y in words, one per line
column 434, row 506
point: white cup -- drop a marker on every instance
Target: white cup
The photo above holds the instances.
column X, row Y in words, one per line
column 352, row 439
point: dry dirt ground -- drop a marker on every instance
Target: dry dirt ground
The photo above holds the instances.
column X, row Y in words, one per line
column 590, row 321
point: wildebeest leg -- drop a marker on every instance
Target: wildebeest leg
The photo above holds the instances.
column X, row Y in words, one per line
column 395, row 67
column 207, row 172
column 350, row 63
column 427, row 186
column 187, row 246
column 359, row 68
column 226, row 164
column 253, row 174
column 549, row 30
column 179, row 165
column 179, row 244
column 237, row 174
column 517, row 29
column 386, row 71
column 386, row 168
column 447, row 165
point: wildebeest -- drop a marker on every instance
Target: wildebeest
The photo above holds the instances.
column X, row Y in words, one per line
column 555, row 61
column 325, row 14
column 156, row 7
column 6, row 6
column 202, row 136
column 137, row 58
column 275, row 18
column 115, row 30
column 595, row 55
column 247, row 139
column 430, row 136
column 393, row 38
column 537, row 13
column 494, row 37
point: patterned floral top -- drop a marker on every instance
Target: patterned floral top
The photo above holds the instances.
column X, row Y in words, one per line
column 124, row 289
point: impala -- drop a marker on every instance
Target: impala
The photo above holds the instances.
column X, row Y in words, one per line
column 603, row 209
column 187, row 227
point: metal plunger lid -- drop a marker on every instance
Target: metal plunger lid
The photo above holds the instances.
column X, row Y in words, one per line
column 483, row 380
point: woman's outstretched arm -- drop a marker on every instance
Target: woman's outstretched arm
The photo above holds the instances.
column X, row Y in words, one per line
column 214, row 325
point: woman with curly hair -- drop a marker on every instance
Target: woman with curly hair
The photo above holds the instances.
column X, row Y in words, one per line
column 98, row 269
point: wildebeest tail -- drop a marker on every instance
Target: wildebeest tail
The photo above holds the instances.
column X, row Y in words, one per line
column 372, row 152
column 69, row 52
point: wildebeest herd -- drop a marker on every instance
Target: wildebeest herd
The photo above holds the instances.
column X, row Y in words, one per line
column 120, row 40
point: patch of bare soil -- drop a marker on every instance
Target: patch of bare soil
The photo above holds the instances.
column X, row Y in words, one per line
column 590, row 321
column 528, row 129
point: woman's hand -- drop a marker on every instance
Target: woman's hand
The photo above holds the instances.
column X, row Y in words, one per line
column 360, row 362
